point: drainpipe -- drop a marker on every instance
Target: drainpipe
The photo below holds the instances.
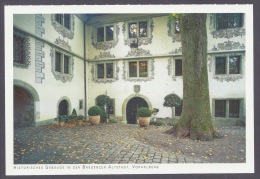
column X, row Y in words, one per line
column 85, row 80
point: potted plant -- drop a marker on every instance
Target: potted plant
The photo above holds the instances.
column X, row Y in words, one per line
column 80, row 119
column 144, row 115
column 62, row 119
column 172, row 100
column 94, row 114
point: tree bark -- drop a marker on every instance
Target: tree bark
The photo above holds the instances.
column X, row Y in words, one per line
column 195, row 120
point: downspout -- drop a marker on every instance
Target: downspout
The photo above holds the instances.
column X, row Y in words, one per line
column 85, row 80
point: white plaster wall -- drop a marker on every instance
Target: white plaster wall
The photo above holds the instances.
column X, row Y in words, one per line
column 50, row 91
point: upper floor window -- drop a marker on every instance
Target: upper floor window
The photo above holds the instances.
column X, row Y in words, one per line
column 105, row 33
column 137, row 29
column 138, row 69
column 178, row 67
column 62, row 63
column 64, row 19
column 105, row 70
column 228, row 65
column 228, row 20
column 20, row 49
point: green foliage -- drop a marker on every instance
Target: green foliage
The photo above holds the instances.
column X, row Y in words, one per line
column 156, row 123
column 80, row 117
column 144, row 112
column 112, row 121
column 94, row 111
column 103, row 115
column 74, row 113
column 63, row 118
column 103, row 100
column 172, row 100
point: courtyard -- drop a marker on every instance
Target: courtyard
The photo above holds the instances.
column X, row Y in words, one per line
column 119, row 143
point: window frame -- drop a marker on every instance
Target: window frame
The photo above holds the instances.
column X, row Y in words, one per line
column 227, row 108
column 175, row 113
column 137, row 69
column 228, row 15
column 227, row 64
column 26, row 61
column 137, row 22
column 105, row 33
column 63, row 20
column 61, row 27
column 62, row 64
column 105, row 70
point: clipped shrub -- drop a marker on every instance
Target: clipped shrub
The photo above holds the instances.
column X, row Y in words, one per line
column 103, row 100
column 74, row 113
column 112, row 121
column 144, row 112
column 172, row 100
column 103, row 115
column 63, row 118
column 94, row 111
column 156, row 123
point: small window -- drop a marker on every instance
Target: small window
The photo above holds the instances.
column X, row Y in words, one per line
column 220, row 65
column 234, row 65
column 81, row 104
column 58, row 62
column 228, row 65
column 105, row 70
column 228, row 20
column 111, row 108
column 220, row 108
column 138, row 29
column 19, row 49
column 64, row 20
column 234, row 106
column 105, row 33
column 138, row 69
column 178, row 67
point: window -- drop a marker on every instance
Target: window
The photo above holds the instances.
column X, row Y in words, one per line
column 228, row 65
column 138, row 69
column 228, row 20
column 80, row 104
column 105, row 70
column 19, row 49
column 105, row 33
column 228, row 108
column 137, row 29
column 64, row 20
column 62, row 63
column 178, row 67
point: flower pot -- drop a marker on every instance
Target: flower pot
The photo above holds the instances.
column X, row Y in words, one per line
column 94, row 120
column 61, row 123
column 144, row 121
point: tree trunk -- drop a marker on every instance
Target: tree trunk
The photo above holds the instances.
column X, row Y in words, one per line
column 172, row 114
column 195, row 120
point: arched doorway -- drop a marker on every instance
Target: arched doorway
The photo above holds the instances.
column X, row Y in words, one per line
column 63, row 107
column 131, row 109
column 23, row 108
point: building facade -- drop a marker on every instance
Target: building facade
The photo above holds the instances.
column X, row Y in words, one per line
column 64, row 61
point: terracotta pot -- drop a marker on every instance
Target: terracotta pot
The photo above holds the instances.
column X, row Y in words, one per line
column 61, row 123
column 144, row 121
column 94, row 120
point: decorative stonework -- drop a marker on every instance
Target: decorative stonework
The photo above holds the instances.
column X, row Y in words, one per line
column 210, row 62
column 138, row 52
column 39, row 53
column 176, row 51
column 107, row 80
column 169, row 66
column 27, row 47
column 69, row 33
column 228, row 45
column 137, row 88
column 107, row 44
column 104, row 55
column 228, row 78
column 63, row 44
column 171, row 33
column 140, row 40
column 59, row 75
column 150, row 77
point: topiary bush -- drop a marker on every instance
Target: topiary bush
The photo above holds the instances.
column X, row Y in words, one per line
column 74, row 113
column 103, row 115
column 144, row 112
column 94, row 111
column 103, row 100
column 172, row 100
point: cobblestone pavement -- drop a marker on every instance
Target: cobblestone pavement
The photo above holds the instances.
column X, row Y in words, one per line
column 101, row 144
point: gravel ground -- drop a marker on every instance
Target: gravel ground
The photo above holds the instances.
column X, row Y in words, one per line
column 230, row 149
column 78, row 144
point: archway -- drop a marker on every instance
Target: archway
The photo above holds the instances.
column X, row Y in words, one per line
column 24, row 111
column 131, row 109
column 63, row 107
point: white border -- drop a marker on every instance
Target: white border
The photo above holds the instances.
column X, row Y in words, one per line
column 247, row 167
